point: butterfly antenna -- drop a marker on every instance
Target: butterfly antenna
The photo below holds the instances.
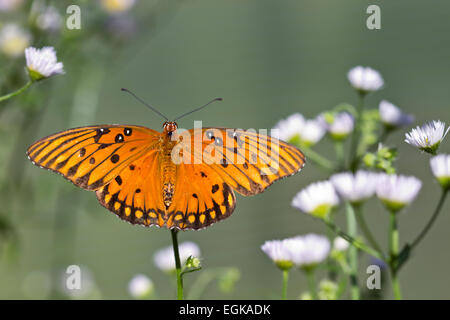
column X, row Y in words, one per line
column 145, row 103
column 199, row 108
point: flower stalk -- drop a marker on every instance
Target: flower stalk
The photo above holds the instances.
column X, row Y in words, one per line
column 353, row 163
column 176, row 253
column 394, row 253
column 285, row 284
column 365, row 229
column 353, row 252
column 430, row 223
column 311, row 282
column 17, row 92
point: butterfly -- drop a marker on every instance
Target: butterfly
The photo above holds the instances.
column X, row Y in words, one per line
column 183, row 179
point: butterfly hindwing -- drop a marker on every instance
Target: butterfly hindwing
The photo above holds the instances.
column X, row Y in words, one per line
column 201, row 198
column 135, row 193
column 92, row 156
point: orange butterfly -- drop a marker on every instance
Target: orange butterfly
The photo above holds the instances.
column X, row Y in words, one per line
column 174, row 178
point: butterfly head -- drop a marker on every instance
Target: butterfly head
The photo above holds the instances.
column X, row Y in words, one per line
column 170, row 127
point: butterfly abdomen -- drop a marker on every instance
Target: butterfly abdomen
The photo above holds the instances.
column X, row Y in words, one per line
column 168, row 170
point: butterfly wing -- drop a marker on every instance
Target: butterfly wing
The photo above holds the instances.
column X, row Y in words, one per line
column 213, row 162
column 201, row 198
column 135, row 194
column 247, row 161
column 92, row 156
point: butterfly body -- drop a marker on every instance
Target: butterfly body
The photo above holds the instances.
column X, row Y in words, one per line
column 174, row 178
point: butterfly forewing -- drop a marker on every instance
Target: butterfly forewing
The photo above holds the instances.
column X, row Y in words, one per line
column 249, row 162
column 90, row 157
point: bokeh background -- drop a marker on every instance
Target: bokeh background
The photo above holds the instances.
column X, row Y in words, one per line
column 267, row 59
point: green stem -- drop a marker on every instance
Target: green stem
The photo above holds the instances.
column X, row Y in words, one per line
column 393, row 251
column 311, row 283
column 432, row 219
column 353, row 241
column 356, row 133
column 318, row 159
column 353, row 252
column 17, row 92
column 176, row 253
column 366, row 231
column 285, row 283
column 339, row 148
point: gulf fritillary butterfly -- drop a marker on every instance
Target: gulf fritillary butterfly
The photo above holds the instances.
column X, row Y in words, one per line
column 134, row 175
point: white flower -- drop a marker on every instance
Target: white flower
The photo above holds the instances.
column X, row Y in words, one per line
column 164, row 259
column 440, row 165
column 355, row 187
column 310, row 249
column 338, row 125
column 42, row 63
column 13, row 40
column 312, row 132
column 140, row 286
column 397, row 191
column 117, row 6
column 280, row 251
column 365, row 79
column 392, row 116
column 340, row 244
column 309, row 132
column 9, row 5
column 289, row 128
column 427, row 137
column 316, row 199
column 49, row 19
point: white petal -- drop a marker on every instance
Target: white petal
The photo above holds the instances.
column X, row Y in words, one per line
column 440, row 166
column 365, row 79
column 355, row 188
column 398, row 188
column 310, row 249
column 140, row 286
column 392, row 115
column 315, row 195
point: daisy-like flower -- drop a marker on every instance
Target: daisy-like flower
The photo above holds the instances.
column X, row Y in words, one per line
column 9, row 5
column 427, row 137
column 164, row 259
column 338, row 125
column 309, row 250
column 317, row 199
column 117, row 6
column 312, row 132
column 397, row 191
column 340, row 244
column 440, row 165
column 357, row 187
column 289, row 129
column 13, row 40
column 49, row 19
column 140, row 287
column 42, row 63
column 280, row 252
column 392, row 117
column 365, row 79
column 296, row 129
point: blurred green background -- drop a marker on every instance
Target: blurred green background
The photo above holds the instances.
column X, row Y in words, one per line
column 267, row 59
